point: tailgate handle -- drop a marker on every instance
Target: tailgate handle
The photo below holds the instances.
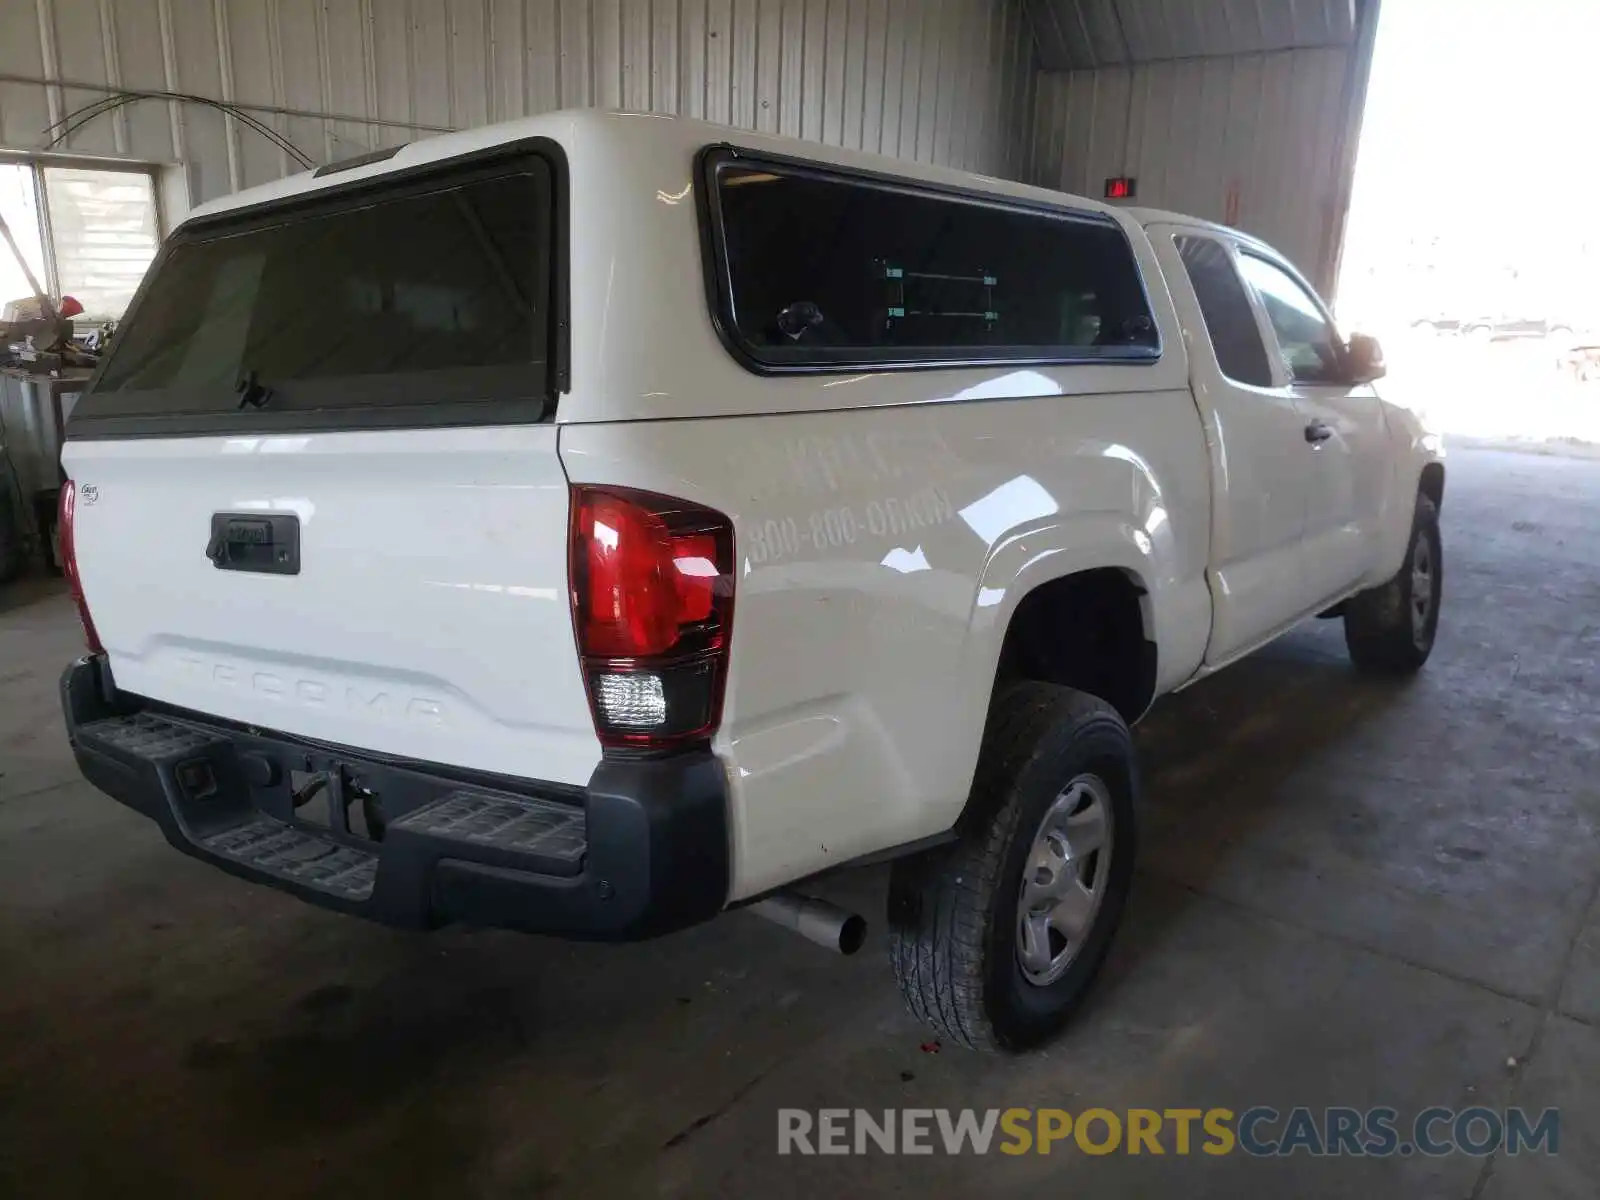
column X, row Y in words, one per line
column 265, row 543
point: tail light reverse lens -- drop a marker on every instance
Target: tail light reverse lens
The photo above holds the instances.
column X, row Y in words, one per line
column 66, row 533
column 652, row 599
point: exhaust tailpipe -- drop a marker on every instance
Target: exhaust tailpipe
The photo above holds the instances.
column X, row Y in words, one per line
column 823, row 923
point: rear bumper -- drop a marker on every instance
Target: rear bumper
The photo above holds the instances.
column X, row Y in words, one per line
column 641, row 851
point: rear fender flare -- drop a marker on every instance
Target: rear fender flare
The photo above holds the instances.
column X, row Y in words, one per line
column 1033, row 555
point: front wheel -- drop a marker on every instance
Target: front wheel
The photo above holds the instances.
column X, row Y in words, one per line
column 1390, row 629
column 995, row 939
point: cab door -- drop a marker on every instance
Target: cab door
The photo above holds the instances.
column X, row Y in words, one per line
column 1255, row 436
column 1348, row 483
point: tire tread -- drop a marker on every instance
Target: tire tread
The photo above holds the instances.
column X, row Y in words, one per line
column 1377, row 622
column 938, row 963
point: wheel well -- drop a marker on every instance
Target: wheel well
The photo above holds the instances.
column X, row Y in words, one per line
column 1085, row 631
column 1432, row 483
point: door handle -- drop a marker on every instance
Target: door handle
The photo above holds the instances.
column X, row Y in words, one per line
column 265, row 543
column 1318, row 431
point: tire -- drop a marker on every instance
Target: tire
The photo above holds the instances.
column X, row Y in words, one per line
column 955, row 922
column 1386, row 629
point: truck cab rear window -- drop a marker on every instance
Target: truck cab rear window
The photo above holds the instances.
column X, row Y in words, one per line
column 414, row 294
column 815, row 269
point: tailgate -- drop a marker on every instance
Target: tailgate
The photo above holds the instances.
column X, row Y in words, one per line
column 429, row 616
column 318, row 486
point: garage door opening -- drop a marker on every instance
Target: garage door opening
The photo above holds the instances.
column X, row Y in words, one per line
column 1470, row 248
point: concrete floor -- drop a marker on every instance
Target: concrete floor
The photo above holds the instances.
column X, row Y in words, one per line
column 1351, row 894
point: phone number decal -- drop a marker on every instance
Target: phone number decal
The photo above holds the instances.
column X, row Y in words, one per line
column 778, row 538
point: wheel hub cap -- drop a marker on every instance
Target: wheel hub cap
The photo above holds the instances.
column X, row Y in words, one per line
column 1064, row 880
column 1421, row 588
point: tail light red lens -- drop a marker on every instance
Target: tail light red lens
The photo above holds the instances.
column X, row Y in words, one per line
column 652, row 602
column 66, row 533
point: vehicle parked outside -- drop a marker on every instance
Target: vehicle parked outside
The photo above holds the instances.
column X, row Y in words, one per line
column 1508, row 328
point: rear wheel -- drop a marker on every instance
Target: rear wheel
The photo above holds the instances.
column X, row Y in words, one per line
column 995, row 939
column 1390, row 629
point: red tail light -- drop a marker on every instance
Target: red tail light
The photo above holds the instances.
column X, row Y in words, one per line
column 652, row 604
column 67, row 535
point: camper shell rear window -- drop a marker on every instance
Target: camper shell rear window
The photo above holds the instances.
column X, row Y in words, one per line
column 811, row 268
column 426, row 297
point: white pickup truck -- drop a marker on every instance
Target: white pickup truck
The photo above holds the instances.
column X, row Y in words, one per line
column 590, row 524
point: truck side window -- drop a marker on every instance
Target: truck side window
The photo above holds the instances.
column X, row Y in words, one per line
column 1230, row 321
column 1306, row 337
column 818, row 268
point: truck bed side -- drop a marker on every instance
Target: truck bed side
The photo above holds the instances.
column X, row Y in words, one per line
column 880, row 554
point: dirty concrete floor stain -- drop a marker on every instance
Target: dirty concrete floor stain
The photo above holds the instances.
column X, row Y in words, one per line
column 1352, row 893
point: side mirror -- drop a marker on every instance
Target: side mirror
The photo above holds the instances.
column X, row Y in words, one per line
column 1364, row 359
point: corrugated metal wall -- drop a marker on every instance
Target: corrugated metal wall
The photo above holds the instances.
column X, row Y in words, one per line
column 1075, row 34
column 946, row 81
column 1256, row 137
column 1264, row 141
column 1249, row 140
